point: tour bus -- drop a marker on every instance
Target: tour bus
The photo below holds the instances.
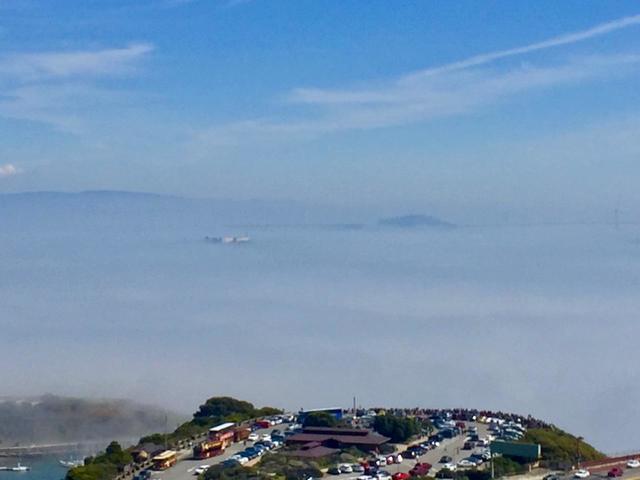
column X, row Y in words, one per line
column 164, row 460
column 223, row 433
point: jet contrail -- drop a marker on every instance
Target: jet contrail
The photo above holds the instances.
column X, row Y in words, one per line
column 566, row 39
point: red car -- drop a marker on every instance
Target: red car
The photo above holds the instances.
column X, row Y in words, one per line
column 615, row 472
column 400, row 476
column 420, row 469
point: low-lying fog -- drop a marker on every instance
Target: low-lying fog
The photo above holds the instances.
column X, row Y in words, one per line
column 540, row 320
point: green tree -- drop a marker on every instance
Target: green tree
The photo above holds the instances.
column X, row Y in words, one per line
column 225, row 406
column 399, row 429
column 320, row 419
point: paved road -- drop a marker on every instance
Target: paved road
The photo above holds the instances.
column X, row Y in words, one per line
column 184, row 469
column 451, row 447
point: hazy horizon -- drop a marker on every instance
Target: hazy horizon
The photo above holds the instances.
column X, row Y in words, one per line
column 125, row 299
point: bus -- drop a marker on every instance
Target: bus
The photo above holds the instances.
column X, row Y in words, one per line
column 164, row 460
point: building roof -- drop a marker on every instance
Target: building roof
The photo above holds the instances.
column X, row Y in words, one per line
column 166, row 455
column 315, row 452
column 330, row 409
column 337, row 431
column 369, row 438
column 221, row 427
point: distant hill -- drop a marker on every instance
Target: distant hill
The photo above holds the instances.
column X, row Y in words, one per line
column 413, row 221
column 53, row 419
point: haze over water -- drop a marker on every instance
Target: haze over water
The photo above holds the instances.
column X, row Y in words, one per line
column 539, row 319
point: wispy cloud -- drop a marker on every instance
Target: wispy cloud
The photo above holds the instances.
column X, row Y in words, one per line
column 46, row 65
column 9, row 170
column 60, row 88
column 455, row 88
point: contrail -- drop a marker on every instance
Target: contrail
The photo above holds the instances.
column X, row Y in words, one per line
column 565, row 39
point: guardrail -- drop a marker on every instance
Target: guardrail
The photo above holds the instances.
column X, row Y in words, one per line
column 608, row 462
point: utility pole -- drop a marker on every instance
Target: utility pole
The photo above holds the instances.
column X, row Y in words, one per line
column 578, row 440
column 493, row 472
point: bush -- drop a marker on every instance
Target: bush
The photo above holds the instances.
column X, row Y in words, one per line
column 399, row 429
column 220, row 472
column 102, row 467
column 508, row 466
column 320, row 419
column 289, row 468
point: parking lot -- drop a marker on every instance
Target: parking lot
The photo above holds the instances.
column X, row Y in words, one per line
column 449, row 447
column 185, row 469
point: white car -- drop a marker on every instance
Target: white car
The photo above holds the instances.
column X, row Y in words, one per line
column 633, row 463
column 449, row 466
column 265, row 437
column 382, row 475
column 582, row 473
column 243, row 460
column 201, row 469
column 346, row 469
column 364, row 477
column 253, row 437
column 466, row 463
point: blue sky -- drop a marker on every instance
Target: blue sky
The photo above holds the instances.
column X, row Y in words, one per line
column 451, row 107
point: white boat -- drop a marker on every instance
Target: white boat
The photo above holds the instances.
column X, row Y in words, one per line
column 19, row 468
column 228, row 239
column 71, row 463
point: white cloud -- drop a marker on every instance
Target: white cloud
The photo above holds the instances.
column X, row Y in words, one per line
column 405, row 101
column 9, row 170
column 60, row 88
column 46, row 65
column 452, row 89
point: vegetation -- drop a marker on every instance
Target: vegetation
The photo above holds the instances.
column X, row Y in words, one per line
column 214, row 411
column 504, row 466
column 320, row 419
column 102, row 467
column 399, row 429
column 462, row 474
column 559, row 447
column 220, row 472
column 283, row 466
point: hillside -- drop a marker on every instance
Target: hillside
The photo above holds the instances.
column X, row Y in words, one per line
column 559, row 447
column 52, row 419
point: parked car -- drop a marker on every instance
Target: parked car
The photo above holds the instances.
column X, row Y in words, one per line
column 449, row 466
column 633, row 463
column 582, row 473
column 346, row 468
column 615, row 472
column 466, row 463
column 253, row 437
column 334, row 470
column 383, row 475
column 357, row 468
column 468, row 446
column 409, row 454
column 445, row 459
column 420, row 469
column 400, row 476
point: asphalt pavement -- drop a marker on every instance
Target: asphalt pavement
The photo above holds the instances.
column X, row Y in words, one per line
column 184, row 469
